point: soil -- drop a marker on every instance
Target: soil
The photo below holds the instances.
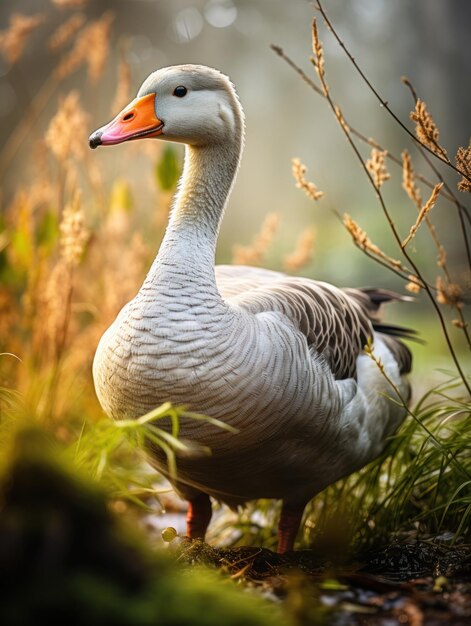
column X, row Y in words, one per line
column 418, row 583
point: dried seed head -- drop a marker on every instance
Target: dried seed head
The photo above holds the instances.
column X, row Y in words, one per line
column 100, row 35
column 73, row 232
column 310, row 189
column 66, row 135
column 123, row 261
column 254, row 254
column 423, row 213
column 449, row 293
column 408, row 180
column 62, row 35
column 361, row 239
column 303, row 252
column 54, row 303
column 317, row 49
column 414, row 286
column 14, row 39
column 408, row 183
column 441, row 261
column 91, row 47
column 463, row 163
column 425, row 128
column 341, row 119
column 377, row 168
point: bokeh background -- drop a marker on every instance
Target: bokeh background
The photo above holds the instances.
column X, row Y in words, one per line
column 427, row 40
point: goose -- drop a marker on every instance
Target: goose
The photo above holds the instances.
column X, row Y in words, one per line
column 279, row 359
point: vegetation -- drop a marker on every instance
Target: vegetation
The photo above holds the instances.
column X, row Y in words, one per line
column 63, row 555
column 71, row 237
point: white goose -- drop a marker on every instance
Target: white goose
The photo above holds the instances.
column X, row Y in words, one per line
column 278, row 358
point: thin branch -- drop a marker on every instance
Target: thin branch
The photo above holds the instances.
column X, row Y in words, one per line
column 374, row 144
column 367, row 140
column 378, row 96
column 463, row 325
column 281, row 53
column 392, row 225
column 404, row 273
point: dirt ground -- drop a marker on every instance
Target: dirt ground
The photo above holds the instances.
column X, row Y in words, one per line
column 417, row 583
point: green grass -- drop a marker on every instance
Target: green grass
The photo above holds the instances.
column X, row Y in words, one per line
column 421, row 483
column 420, row 486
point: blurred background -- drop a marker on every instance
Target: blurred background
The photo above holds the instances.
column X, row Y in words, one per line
column 427, row 40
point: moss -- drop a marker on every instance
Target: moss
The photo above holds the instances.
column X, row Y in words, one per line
column 64, row 557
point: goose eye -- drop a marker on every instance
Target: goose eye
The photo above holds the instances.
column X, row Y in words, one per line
column 180, row 91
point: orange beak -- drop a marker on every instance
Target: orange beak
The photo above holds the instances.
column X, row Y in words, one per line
column 135, row 121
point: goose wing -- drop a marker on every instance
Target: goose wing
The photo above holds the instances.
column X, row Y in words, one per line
column 235, row 279
column 337, row 323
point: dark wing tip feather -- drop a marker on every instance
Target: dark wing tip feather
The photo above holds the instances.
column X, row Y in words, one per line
column 392, row 333
column 399, row 331
column 378, row 296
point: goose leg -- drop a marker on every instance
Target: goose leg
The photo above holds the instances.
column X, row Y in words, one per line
column 198, row 516
column 290, row 519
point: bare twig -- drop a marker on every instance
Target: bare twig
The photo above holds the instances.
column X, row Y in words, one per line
column 374, row 144
column 390, row 221
column 383, row 102
column 461, row 322
column 280, row 52
column 367, row 140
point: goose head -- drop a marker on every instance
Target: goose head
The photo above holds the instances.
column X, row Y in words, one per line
column 191, row 104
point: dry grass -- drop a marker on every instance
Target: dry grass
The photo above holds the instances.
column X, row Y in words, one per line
column 362, row 241
column 376, row 165
column 254, row 254
column 66, row 135
column 64, row 242
column 408, row 180
column 65, row 31
column 423, row 213
column 426, row 129
column 14, row 39
column 463, row 162
column 303, row 252
column 310, row 189
column 91, row 47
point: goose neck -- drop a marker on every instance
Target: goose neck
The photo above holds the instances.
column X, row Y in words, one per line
column 189, row 243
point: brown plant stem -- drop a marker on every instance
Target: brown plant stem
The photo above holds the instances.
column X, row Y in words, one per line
column 59, row 351
column 464, row 326
column 394, row 231
column 383, row 102
column 403, row 273
column 367, row 140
